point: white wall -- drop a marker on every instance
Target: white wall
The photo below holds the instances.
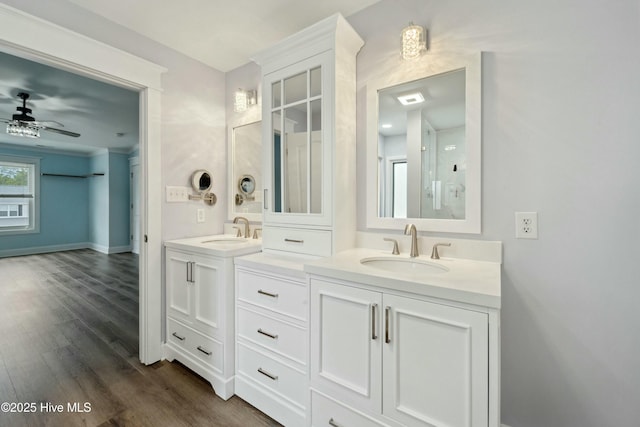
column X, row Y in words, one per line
column 560, row 136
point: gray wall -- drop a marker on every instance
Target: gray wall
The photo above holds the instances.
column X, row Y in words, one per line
column 560, row 136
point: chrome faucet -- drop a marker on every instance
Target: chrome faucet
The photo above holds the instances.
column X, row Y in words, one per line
column 246, row 224
column 411, row 229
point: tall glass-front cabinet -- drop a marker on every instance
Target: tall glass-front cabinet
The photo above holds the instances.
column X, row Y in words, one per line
column 309, row 119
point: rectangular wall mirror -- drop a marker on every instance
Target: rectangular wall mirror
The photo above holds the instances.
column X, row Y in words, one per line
column 245, row 173
column 424, row 147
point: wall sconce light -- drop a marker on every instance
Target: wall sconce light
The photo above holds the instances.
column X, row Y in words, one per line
column 243, row 99
column 414, row 41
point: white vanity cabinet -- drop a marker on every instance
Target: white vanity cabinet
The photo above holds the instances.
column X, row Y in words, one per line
column 272, row 339
column 382, row 358
column 309, row 130
column 199, row 294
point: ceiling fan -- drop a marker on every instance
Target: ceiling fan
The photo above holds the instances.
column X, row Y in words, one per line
column 25, row 125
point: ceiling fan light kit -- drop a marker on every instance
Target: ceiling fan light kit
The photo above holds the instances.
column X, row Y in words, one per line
column 26, row 126
column 23, row 129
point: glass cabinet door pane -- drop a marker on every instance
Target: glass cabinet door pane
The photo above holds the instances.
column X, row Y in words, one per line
column 295, row 88
column 316, row 82
column 276, row 94
column 315, row 161
column 276, row 119
column 296, row 149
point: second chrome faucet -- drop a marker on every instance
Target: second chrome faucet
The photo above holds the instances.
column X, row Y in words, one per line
column 411, row 229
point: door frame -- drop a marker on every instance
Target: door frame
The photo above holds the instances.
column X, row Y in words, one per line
column 53, row 45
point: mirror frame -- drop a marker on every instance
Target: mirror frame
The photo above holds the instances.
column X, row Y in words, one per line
column 439, row 64
column 232, row 182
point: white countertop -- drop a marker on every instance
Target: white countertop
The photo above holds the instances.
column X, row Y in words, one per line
column 467, row 281
column 220, row 245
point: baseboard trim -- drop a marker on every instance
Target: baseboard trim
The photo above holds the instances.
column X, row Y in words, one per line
column 109, row 249
column 43, row 249
column 67, row 247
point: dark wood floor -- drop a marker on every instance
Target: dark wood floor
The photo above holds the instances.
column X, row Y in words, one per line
column 69, row 334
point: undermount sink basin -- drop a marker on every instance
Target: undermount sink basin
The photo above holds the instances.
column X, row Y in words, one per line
column 404, row 265
column 225, row 240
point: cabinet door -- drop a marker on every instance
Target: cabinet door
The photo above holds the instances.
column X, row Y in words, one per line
column 435, row 364
column 179, row 296
column 208, row 289
column 346, row 343
column 297, row 142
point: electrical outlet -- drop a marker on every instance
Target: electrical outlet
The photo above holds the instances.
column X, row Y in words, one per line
column 200, row 217
column 177, row 194
column 526, row 225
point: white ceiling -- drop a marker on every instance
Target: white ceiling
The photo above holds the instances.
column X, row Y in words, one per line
column 223, row 34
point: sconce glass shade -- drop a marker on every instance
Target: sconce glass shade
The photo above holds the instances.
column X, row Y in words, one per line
column 23, row 129
column 243, row 99
column 240, row 101
column 414, row 42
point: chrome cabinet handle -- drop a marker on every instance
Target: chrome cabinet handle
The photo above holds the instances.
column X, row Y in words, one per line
column 208, row 353
column 267, row 374
column 178, row 336
column 190, row 272
column 260, row 331
column 374, row 336
column 333, row 423
column 387, row 314
column 269, row 294
column 293, row 241
column 265, row 199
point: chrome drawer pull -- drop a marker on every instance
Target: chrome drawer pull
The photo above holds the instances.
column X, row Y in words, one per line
column 269, row 294
column 208, row 353
column 267, row 374
column 178, row 336
column 387, row 311
column 333, row 423
column 374, row 336
column 293, row 241
column 260, row 331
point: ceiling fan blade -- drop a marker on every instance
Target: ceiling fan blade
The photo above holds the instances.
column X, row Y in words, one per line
column 45, row 123
column 60, row 131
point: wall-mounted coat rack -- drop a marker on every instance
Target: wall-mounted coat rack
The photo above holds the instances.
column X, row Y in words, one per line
column 72, row 176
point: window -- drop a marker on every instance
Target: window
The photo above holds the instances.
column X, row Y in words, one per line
column 19, row 184
column 400, row 189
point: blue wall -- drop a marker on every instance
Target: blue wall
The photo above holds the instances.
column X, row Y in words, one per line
column 76, row 212
column 64, row 208
column 119, row 200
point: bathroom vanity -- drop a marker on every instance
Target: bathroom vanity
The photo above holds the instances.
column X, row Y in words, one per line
column 199, row 305
column 400, row 341
column 308, row 141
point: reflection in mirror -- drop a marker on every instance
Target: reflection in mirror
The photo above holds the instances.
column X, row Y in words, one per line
column 424, row 145
column 246, row 176
column 297, row 143
column 421, row 148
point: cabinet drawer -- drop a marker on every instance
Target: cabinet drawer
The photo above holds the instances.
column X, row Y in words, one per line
column 326, row 412
column 284, row 338
column 280, row 295
column 297, row 240
column 203, row 348
column 276, row 376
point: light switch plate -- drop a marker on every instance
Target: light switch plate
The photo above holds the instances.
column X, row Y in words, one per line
column 177, row 194
column 200, row 216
